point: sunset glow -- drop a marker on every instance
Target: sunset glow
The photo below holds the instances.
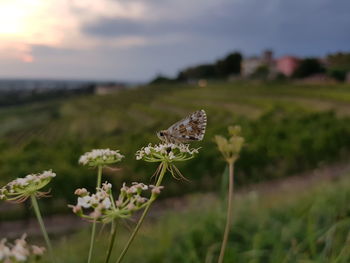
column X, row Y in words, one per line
column 54, row 23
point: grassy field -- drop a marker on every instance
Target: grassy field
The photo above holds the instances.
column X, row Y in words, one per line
column 288, row 128
column 308, row 224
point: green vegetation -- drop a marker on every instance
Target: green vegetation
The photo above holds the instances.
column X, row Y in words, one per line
column 13, row 96
column 300, row 224
column 288, row 128
column 220, row 69
column 308, row 67
column 339, row 65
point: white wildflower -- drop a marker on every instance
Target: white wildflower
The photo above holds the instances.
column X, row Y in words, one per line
column 166, row 152
column 81, row 192
column 106, row 203
column 106, row 186
column 84, row 201
column 38, row 251
column 21, row 188
column 156, row 189
column 5, row 251
column 100, row 157
column 20, row 251
column 103, row 208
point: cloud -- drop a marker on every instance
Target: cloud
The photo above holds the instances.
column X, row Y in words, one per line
column 68, row 23
column 135, row 39
column 55, row 23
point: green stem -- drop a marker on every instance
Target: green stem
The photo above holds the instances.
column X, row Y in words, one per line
column 99, row 176
column 229, row 213
column 42, row 226
column 139, row 223
column 93, row 230
column 111, row 242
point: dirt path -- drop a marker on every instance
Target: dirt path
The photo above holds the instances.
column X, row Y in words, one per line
column 63, row 224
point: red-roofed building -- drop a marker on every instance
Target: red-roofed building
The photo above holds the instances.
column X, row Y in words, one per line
column 287, row 65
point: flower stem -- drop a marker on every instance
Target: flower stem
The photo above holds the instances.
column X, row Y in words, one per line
column 93, row 230
column 111, row 242
column 99, row 176
column 229, row 213
column 164, row 166
column 42, row 226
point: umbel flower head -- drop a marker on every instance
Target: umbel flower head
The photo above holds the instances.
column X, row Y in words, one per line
column 100, row 157
column 21, row 188
column 231, row 147
column 20, row 251
column 166, row 152
column 103, row 208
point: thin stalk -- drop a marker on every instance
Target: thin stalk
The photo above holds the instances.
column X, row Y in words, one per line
column 229, row 213
column 93, row 230
column 42, row 226
column 99, row 176
column 111, row 242
column 139, row 223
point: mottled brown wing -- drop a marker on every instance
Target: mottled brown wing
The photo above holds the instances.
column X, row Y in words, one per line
column 191, row 128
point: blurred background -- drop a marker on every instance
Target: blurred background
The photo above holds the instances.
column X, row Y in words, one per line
column 82, row 74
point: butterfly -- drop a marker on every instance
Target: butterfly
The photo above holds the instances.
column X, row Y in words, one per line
column 191, row 128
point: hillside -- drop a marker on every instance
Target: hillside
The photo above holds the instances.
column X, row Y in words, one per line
column 288, row 128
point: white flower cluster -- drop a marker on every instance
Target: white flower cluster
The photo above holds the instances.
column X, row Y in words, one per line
column 24, row 187
column 100, row 201
column 20, row 251
column 104, row 208
column 168, row 152
column 100, row 157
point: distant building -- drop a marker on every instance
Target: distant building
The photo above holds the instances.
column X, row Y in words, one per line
column 252, row 64
column 108, row 89
column 287, row 65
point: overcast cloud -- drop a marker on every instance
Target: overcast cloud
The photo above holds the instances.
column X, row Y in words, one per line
column 137, row 39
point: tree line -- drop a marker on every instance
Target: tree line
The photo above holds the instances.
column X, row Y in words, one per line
column 335, row 65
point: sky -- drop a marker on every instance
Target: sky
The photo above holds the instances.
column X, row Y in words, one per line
column 135, row 40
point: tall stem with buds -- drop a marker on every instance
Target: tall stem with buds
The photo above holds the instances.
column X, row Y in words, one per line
column 93, row 230
column 164, row 166
column 229, row 212
column 98, row 158
column 42, row 226
column 230, row 149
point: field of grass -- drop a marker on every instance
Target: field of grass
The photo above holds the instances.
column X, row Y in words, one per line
column 310, row 224
column 288, row 128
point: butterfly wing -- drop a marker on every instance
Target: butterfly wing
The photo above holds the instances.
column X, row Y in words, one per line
column 191, row 128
